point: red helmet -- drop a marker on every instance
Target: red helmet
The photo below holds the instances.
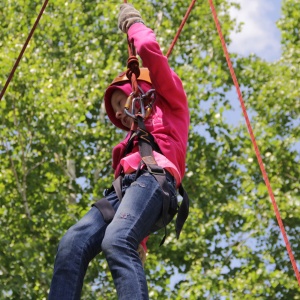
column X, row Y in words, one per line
column 121, row 82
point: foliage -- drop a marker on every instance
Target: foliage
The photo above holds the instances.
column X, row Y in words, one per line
column 56, row 143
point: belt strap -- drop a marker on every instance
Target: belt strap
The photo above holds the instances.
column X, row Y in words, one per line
column 106, row 209
column 183, row 210
column 117, row 185
column 104, row 205
column 146, row 146
column 146, row 142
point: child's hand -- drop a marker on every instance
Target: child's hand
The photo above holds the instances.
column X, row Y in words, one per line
column 128, row 15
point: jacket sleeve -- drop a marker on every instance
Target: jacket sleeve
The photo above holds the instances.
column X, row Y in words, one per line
column 164, row 80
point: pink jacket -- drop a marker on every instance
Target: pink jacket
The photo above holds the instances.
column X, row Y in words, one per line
column 169, row 121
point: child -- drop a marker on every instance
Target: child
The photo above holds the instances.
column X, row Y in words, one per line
column 148, row 197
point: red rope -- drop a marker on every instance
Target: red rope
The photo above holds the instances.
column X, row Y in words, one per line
column 180, row 28
column 133, row 71
column 261, row 165
column 23, row 50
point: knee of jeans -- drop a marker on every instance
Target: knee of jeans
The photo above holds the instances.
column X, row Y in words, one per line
column 109, row 243
column 114, row 242
column 72, row 240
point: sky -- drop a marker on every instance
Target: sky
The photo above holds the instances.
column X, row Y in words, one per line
column 259, row 33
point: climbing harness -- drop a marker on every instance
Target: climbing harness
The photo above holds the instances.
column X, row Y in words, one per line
column 138, row 107
column 146, row 146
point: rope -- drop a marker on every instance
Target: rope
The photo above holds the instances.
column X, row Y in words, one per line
column 133, row 71
column 180, row 28
column 23, row 50
column 261, row 165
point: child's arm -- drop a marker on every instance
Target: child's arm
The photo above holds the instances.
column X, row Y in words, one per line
column 164, row 80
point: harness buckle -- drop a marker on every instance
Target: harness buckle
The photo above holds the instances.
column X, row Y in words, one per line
column 157, row 171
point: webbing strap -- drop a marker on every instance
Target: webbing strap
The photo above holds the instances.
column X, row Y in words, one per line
column 146, row 145
column 117, row 184
column 161, row 179
column 104, row 205
column 146, row 151
column 146, row 141
column 106, row 209
column 183, row 210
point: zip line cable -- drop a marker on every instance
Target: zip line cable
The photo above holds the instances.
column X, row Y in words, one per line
column 257, row 152
column 23, row 49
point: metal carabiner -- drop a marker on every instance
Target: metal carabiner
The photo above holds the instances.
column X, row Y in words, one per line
column 137, row 104
column 137, row 107
column 150, row 96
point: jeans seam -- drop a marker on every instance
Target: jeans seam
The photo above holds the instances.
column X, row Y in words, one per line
column 133, row 227
column 83, row 254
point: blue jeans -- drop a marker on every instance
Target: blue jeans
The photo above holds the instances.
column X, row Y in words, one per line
column 135, row 216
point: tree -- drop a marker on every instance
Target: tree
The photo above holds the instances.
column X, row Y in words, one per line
column 56, row 143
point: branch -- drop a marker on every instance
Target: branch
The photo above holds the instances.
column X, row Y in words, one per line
column 238, row 244
column 70, row 171
column 21, row 188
